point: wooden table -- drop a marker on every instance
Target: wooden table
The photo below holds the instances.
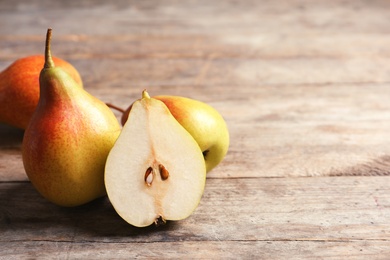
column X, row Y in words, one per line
column 304, row 87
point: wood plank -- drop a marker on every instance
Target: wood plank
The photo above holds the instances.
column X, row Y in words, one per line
column 237, row 45
column 191, row 17
column 252, row 209
column 378, row 250
column 326, row 216
column 220, row 60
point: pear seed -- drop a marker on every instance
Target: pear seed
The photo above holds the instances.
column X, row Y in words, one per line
column 163, row 172
column 149, row 176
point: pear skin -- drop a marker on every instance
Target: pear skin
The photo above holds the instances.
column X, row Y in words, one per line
column 19, row 88
column 67, row 141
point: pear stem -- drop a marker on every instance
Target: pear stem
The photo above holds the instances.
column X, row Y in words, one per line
column 145, row 94
column 115, row 107
column 49, row 63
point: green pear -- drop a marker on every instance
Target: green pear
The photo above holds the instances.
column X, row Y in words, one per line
column 155, row 171
column 203, row 122
column 67, row 141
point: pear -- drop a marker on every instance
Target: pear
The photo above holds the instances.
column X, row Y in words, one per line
column 155, row 171
column 67, row 141
column 203, row 122
column 19, row 88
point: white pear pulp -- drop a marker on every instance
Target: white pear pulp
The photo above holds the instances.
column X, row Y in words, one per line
column 152, row 137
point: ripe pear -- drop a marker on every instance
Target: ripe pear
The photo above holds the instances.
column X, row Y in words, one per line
column 155, row 171
column 203, row 122
column 67, row 141
column 19, row 88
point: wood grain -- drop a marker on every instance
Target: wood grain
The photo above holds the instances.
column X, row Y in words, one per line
column 304, row 87
column 199, row 250
column 253, row 213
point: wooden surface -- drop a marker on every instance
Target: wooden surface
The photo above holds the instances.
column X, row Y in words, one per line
column 304, row 87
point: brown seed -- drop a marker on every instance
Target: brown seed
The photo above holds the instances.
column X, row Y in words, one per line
column 149, row 176
column 163, row 172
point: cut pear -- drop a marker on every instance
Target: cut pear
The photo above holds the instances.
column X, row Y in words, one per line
column 155, row 171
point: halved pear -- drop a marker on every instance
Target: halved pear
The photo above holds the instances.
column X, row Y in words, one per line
column 155, row 171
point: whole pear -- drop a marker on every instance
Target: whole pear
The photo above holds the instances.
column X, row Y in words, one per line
column 67, row 141
column 203, row 122
column 19, row 88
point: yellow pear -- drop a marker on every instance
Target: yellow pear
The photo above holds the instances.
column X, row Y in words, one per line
column 203, row 122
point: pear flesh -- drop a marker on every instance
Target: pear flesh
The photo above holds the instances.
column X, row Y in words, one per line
column 155, row 171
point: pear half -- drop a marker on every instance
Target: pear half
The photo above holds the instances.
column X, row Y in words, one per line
column 155, row 171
